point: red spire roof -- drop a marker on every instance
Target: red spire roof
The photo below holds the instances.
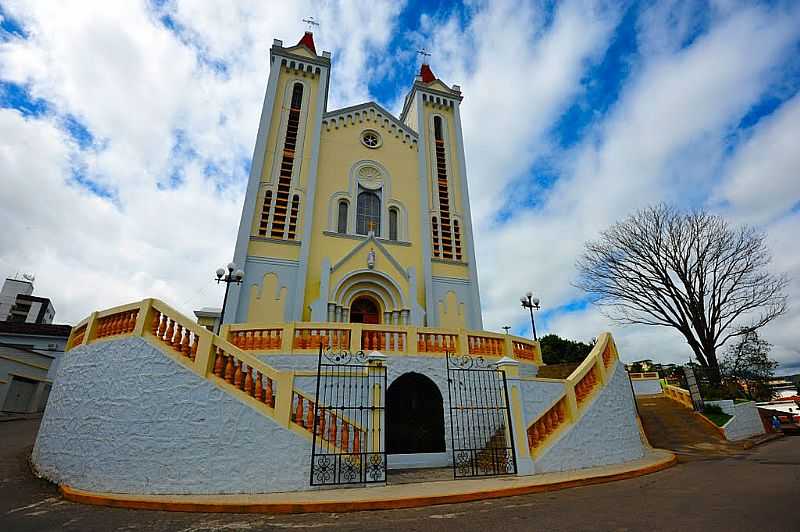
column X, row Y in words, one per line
column 426, row 73
column 308, row 41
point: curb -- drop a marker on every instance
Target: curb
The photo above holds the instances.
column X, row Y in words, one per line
column 134, row 502
column 766, row 439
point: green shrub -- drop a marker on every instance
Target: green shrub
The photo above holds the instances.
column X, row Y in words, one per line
column 712, row 409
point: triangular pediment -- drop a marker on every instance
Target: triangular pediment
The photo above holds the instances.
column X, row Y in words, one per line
column 439, row 86
column 357, row 258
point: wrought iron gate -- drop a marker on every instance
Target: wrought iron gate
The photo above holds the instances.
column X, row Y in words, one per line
column 480, row 418
column 348, row 434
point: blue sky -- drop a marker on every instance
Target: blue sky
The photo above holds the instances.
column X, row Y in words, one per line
column 128, row 133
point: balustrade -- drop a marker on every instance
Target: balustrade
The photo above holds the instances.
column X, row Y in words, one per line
column 547, row 424
column 178, row 337
column 248, row 379
column 77, row 337
column 523, row 351
column 313, row 337
column 257, row 339
column 486, row 345
column 437, row 343
column 389, row 341
column 584, row 387
column 119, row 323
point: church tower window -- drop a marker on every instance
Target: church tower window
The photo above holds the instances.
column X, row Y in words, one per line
column 392, row 224
column 264, row 223
column 457, row 238
column 443, row 194
column 287, row 164
column 293, row 217
column 341, row 222
column 435, row 228
column 368, row 213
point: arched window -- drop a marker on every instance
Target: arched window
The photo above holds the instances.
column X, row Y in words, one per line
column 368, row 213
column 262, row 229
column 392, row 224
column 457, row 235
column 293, row 217
column 341, row 222
column 435, row 230
column 279, row 217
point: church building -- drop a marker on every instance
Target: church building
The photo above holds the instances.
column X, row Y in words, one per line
column 354, row 346
column 355, row 215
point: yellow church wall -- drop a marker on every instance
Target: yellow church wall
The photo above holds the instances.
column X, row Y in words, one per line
column 449, row 269
column 266, row 301
column 451, row 312
column 340, row 149
column 274, row 248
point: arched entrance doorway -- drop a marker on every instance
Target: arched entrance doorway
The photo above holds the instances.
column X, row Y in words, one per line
column 364, row 309
column 414, row 416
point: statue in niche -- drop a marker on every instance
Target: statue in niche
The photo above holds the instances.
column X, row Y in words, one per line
column 371, row 259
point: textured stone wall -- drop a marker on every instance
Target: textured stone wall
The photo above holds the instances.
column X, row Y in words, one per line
column 646, row 386
column 124, row 418
column 745, row 422
column 607, row 433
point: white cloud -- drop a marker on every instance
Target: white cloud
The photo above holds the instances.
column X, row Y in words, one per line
column 135, row 83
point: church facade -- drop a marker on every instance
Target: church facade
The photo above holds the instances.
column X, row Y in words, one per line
column 355, row 215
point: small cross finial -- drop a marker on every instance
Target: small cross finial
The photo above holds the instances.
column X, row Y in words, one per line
column 424, row 53
column 310, row 23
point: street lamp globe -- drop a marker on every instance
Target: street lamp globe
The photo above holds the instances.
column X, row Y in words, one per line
column 523, row 300
column 536, row 301
column 220, row 272
column 529, row 294
column 238, row 275
column 231, row 266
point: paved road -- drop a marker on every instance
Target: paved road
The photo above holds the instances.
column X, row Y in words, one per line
column 756, row 490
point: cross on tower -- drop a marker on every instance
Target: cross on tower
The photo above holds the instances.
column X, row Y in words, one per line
column 310, row 22
column 424, row 53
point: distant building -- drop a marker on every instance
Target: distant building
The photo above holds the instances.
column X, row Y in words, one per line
column 782, row 387
column 30, row 347
column 208, row 317
column 17, row 303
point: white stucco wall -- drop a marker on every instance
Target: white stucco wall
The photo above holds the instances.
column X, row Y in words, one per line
column 537, row 396
column 745, row 422
column 124, row 418
column 646, row 386
column 725, row 404
column 607, row 433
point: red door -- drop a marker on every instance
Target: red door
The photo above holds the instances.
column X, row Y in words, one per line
column 364, row 310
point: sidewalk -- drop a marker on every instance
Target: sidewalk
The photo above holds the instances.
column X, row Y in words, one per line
column 383, row 497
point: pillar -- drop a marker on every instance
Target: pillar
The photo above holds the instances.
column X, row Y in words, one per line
column 377, row 370
column 510, row 368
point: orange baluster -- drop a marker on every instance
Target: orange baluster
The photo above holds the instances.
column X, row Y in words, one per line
column 238, row 376
column 276, row 341
column 170, row 329
column 259, row 387
column 298, row 413
column 269, row 397
column 184, row 345
column 310, row 416
column 248, row 382
column 332, row 429
column 219, row 363
column 321, row 425
column 156, row 323
column 230, row 369
column 356, row 442
column 193, row 351
column 345, row 434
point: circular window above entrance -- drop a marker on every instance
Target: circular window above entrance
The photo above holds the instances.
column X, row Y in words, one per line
column 371, row 139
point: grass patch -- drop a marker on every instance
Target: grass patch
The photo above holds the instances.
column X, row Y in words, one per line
column 719, row 419
column 740, row 401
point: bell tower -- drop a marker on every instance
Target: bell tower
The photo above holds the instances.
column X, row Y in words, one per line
column 272, row 241
column 432, row 108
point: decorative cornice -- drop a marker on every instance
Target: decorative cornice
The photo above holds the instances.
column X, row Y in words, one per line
column 370, row 112
column 431, row 96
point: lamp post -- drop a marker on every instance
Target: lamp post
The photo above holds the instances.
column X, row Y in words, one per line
column 233, row 276
column 529, row 302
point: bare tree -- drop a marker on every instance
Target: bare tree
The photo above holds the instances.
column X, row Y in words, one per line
column 690, row 271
